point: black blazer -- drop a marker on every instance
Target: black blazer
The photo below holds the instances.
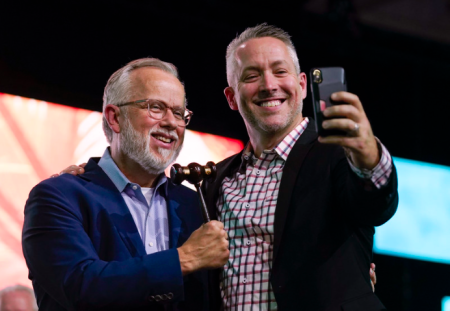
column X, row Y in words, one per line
column 323, row 231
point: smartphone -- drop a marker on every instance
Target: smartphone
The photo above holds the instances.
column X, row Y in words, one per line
column 324, row 82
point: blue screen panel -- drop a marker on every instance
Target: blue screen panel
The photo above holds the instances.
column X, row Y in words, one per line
column 421, row 227
column 446, row 304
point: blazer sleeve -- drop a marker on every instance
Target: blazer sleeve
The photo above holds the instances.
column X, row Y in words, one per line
column 364, row 206
column 63, row 261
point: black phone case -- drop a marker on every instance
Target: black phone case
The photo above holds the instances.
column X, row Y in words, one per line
column 333, row 80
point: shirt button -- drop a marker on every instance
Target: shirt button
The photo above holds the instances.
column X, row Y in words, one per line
column 134, row 187
column 150, row 244
column 257, row 172
column 249, row 242
column 244, row 280
column 247, row 205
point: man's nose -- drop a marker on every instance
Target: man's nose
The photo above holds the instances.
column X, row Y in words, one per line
column 268, row 83
column 169, row 120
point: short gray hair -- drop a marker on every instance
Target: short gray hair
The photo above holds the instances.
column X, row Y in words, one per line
column 259, row 31
column 117, row 89
column 19, row 288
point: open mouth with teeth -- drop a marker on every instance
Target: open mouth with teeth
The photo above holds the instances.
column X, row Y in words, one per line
column 164, row 139
column 271, row 103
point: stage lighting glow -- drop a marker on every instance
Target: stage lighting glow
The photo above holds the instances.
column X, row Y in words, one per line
column 420, row 229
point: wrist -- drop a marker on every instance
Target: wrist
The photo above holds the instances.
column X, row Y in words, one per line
column 186, row 262
column 366, row 159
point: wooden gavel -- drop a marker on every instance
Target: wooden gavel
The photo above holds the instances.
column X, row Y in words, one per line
column 194, row 173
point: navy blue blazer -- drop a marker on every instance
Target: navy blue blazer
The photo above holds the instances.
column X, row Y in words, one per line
column 84, row 252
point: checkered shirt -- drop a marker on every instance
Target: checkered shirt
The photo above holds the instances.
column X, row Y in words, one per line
column 246, row 206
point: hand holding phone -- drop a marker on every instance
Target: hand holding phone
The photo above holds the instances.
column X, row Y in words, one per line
column 324, row 82
column 355, row 133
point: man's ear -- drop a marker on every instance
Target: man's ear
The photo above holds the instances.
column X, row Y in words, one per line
column 303, row 84
column 112, row 114
column 229, row 94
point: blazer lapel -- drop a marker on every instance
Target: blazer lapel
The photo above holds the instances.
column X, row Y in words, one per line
column 212, row 190
column 288, row 180
column 173, row 204
column 290, row 173
column 116, row 207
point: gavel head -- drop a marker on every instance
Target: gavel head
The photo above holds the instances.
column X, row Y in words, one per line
column 194, row 173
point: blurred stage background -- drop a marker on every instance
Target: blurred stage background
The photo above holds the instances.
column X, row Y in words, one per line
column 397, row 59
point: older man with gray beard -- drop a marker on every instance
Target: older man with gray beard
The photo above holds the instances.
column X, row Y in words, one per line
column 121, row 236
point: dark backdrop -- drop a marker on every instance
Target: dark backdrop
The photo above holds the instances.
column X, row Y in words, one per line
column 64, row 52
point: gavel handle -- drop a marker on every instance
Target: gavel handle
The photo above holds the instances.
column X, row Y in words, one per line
column 202, row 201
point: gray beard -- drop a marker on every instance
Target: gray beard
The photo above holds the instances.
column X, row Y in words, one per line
column 271, row 128
column 137, row 147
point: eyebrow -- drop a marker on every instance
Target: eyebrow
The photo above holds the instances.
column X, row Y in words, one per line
column 279, row 62
column 274, row 64
column 157, row 101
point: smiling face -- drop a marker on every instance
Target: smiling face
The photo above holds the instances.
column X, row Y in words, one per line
column 153, row 144
column 268, row 92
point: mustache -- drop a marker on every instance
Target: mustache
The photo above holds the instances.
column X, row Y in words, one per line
column 172, row 134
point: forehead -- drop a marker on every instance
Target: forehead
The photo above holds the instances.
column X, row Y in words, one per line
column 262, row 51
column 149, row 82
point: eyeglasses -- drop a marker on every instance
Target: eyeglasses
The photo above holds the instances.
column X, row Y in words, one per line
column 158, row 110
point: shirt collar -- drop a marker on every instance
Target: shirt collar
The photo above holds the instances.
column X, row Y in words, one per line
column 283, row 148
column 117, row 177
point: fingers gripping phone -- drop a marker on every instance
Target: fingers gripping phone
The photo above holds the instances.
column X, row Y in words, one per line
column 324, row 82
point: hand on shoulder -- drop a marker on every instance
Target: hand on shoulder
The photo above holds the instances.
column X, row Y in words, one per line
column 72, row 169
